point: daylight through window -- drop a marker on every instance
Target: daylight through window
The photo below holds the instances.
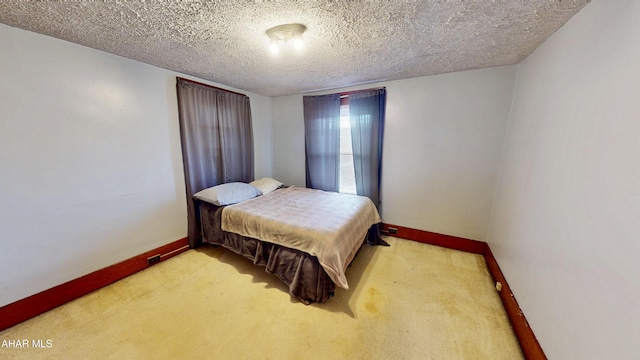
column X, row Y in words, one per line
column 347, row 172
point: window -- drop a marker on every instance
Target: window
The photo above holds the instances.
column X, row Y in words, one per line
column 343, row 141
column 347, row 172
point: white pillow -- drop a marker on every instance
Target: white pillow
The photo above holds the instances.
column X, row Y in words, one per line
column 266, row 185
column 226, row 194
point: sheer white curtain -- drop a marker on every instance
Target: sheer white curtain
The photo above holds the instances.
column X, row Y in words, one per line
column 217, row 141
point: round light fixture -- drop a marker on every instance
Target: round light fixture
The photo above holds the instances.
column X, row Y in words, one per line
column 282, row 34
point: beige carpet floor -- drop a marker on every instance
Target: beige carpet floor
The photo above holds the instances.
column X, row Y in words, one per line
column 407, row 301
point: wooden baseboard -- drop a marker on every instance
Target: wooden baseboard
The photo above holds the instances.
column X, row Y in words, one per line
column 527, row 339
column 428, row 237
column 46, row 300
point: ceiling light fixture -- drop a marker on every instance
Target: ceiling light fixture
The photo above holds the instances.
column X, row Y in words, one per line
column 282, row 34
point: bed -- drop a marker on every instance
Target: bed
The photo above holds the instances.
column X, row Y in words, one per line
column 306, row 237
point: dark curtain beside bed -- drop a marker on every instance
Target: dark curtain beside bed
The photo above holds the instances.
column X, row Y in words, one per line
column 217, row 141
column 366, row 111
column 322, row 141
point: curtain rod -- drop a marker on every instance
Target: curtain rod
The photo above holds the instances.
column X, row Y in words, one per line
column 210, row 86
column 346, row 93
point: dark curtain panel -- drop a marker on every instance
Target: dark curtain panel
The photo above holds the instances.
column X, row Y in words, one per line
column 322, row 141
column 217, row 142
column 366, row 111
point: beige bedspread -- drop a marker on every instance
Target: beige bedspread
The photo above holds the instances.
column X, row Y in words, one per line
column 327, row 225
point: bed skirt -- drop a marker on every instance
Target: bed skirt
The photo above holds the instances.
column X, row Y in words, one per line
column 301, row 272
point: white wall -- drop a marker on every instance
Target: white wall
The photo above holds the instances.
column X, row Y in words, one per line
column 442, row 144
column 288, row 140
column 261, row 112
column 566, row 224
column 90, row 160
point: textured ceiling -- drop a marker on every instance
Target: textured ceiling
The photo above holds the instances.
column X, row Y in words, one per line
column 346, row 42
